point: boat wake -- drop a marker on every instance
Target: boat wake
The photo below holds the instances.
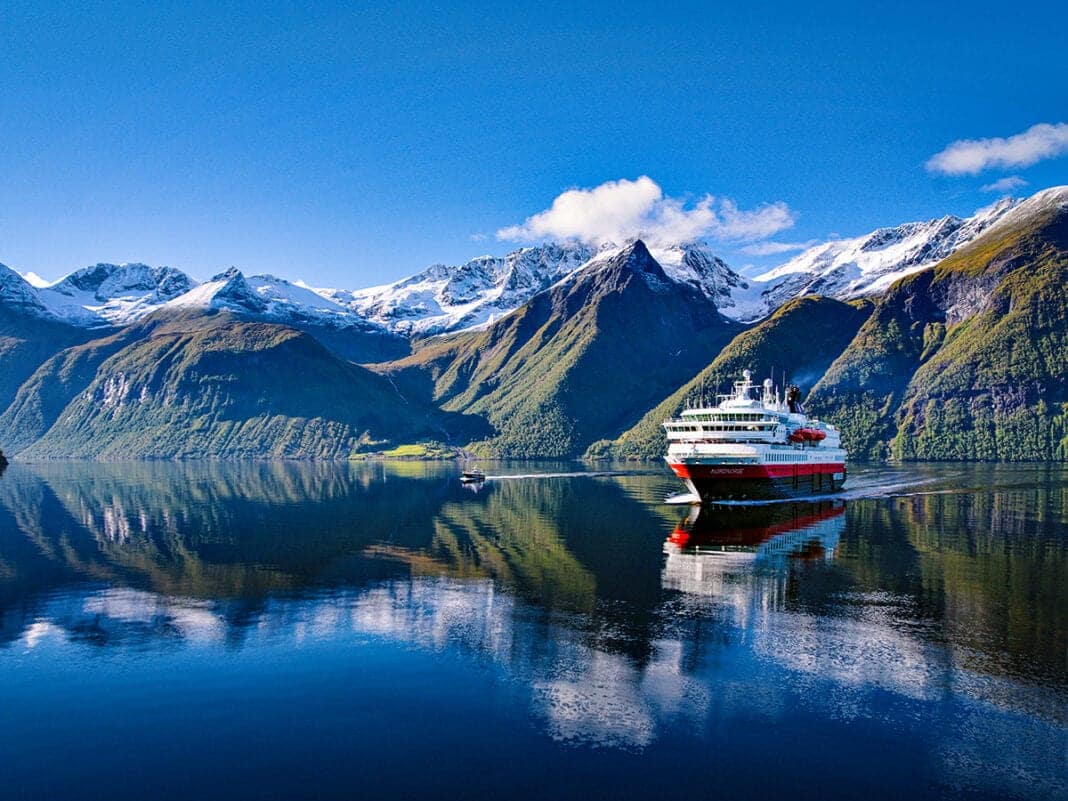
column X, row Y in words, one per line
column 576, row 474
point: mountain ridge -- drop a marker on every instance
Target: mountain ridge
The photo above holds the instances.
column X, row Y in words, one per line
column 213, row 386
column 576, row 362
column 443, row 299
column 965, row 360
column 959, row 359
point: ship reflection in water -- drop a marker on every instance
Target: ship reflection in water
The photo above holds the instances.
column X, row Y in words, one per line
column 279, row 629
column 742, row 555
column 765, row 532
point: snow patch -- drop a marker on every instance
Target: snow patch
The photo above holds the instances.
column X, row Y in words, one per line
column 34, row 280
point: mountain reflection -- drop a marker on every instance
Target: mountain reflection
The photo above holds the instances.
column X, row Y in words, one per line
column 617, row 618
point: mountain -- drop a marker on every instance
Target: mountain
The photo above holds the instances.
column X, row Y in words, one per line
column 869, row 264
column 796, row 344
column 29, row 333
column 443, row 299
column 968, row 360
column 113, row 294
column 953, row 349
column 19, row 297
column 266, row 298
column 207, row 386
column 579, row 362
column 694, row 264
column 44, row 394
column 477, row 292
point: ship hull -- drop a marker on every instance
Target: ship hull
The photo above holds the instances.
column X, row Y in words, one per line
column 718, row 482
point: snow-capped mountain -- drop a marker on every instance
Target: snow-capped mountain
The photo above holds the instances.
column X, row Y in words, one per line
column 19, row 296
column 105, row 295
column 113, row 294
column 1041, row 202
column 867, row 265
column 268, row 297
column 694, row 263
column 448, row 298
column 442, row 299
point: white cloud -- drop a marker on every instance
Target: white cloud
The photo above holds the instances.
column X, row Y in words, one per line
column 478, row 237
column 775, row 248
column 972, row 156
column 1005, row 184
column 619, row 210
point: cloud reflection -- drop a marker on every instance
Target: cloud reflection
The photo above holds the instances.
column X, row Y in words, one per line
column 616, row 636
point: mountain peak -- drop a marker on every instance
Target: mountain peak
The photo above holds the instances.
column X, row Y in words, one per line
column 1043, row 202
column 443, row 298
column 106, row 282
column 635, row 256
column 17, row 293
column 639, row 249
column 227, row 290
column 229, row 275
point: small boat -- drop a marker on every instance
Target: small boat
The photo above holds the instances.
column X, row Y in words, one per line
column 472, row 476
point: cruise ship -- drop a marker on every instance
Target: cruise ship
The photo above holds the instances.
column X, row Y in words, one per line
column 754, row 445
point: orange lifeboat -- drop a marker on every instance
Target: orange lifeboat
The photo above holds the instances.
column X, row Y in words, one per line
column 807, row 435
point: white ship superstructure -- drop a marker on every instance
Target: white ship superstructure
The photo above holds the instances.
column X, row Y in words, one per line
column 754, row 444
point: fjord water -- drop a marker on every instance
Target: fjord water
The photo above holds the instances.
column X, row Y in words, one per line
column 280, row 630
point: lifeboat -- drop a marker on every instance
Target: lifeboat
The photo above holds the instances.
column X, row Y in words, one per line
column 807, row 435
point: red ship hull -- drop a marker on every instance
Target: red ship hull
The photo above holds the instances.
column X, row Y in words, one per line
column 717, row 482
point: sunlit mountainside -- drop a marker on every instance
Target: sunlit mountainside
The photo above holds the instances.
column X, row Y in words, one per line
column 935, row 340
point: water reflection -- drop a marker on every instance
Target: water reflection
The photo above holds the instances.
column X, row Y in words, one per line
column 623, row 624
column 762, row 536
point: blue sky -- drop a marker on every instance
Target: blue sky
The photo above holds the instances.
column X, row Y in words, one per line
column 350, row 146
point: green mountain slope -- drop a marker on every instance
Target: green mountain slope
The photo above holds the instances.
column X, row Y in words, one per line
column 29, row 334
column 26, row 342
column 968, row 360
column 802, row 338
column 579, row 362
column 208, row 386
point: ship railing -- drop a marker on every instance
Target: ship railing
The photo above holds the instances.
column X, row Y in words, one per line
column 720, row 459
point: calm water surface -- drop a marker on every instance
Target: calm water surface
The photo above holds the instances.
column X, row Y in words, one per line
column 378, row 631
